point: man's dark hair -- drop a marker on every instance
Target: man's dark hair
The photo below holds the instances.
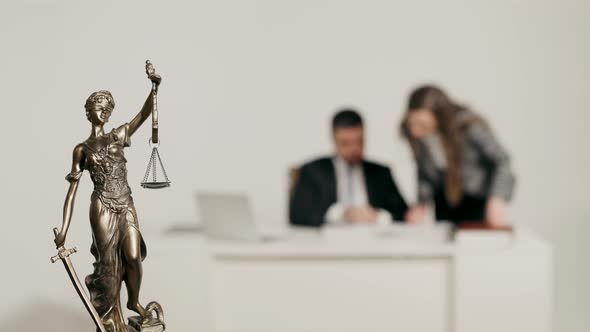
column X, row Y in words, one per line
column 347, row 118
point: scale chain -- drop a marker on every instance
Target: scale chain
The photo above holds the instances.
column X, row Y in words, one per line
column 162, row 166
column 149, row 167
column 154, row 176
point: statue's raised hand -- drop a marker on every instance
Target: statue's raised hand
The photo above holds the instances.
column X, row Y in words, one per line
column 151, row 73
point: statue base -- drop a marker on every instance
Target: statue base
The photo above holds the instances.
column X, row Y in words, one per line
column 136, row 324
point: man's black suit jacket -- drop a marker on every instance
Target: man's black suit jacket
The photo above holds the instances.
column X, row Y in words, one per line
column 315, row 192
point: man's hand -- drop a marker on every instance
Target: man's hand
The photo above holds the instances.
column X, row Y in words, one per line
column 361, row 215
column 496, row 213
column 415, row 215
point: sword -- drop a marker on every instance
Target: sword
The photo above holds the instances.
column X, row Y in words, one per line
column 63, row 254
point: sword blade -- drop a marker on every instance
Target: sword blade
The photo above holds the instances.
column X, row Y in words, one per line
column 85, row 299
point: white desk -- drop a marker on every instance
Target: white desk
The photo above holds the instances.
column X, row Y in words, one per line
column 313, row 284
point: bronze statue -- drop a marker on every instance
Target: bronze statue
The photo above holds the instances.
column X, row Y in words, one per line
column 118, row 246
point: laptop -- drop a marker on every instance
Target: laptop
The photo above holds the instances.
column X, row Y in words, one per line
column 229, row 216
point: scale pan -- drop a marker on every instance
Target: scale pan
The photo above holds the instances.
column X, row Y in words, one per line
column 155, row 185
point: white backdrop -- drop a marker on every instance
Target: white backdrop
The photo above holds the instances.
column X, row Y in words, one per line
column 248, row 91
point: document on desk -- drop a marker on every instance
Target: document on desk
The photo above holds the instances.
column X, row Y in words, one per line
column 424, row 234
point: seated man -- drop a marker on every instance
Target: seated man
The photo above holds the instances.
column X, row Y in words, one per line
column 345, row 188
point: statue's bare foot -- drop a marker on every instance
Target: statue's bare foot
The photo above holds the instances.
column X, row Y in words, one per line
column 135, row 306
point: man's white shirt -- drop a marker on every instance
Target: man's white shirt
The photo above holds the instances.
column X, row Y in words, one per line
column 351, row 191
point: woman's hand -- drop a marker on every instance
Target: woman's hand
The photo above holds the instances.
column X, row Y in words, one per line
column 496, row 213
column 415, row 215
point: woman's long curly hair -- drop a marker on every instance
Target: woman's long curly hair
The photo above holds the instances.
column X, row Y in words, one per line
column 445, row 111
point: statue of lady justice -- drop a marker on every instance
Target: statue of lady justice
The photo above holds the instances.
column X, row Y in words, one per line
column 118, row 246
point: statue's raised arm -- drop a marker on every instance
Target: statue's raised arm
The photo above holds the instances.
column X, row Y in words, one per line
column 148, row 106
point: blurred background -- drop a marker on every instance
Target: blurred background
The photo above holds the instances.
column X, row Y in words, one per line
column 248, row 91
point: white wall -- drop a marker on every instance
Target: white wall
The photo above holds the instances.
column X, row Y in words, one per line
column 248, row 90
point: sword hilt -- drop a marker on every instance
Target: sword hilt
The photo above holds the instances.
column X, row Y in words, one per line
column 63, row 253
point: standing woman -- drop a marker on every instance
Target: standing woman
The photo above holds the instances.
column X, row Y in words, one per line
column 462, row 169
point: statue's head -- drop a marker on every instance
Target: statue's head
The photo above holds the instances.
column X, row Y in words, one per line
column 99, row 106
